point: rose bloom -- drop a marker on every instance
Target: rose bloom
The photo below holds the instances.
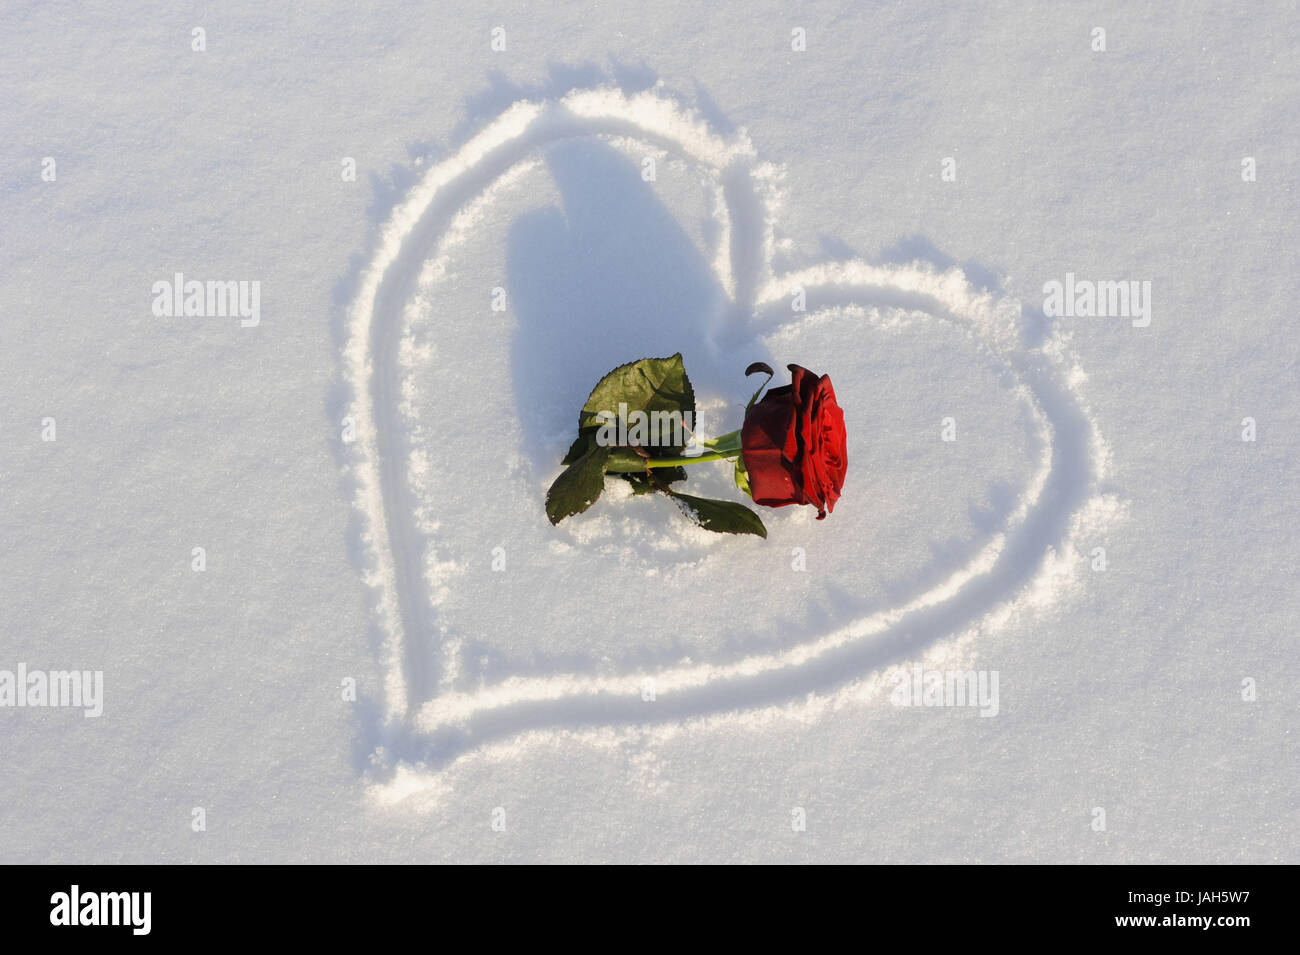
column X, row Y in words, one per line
column 793, row 443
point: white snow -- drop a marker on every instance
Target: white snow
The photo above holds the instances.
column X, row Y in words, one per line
column 365, row 468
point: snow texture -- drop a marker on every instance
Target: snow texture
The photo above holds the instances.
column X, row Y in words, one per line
column 1100, row 510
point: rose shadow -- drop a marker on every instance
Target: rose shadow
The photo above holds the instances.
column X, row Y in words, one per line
column 607, row 278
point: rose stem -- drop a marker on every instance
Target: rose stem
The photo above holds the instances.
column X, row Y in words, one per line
column 673, row 462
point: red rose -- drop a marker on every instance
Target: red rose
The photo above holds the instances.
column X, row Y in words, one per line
column 793, row 442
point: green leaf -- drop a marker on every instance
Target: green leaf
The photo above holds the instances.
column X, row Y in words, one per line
column 647, row 484
column 624, row 461
column 742, row 477
column 649, row 385
column 581, row 445
column 669, row 475
column 725, row 517
column 578, row 486
column 640, row 483
column 658, row 479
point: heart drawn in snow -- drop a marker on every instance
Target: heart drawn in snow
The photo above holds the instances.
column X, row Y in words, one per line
column 634, row 229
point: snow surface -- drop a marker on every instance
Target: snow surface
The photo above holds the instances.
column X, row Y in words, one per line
column 519, row 695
